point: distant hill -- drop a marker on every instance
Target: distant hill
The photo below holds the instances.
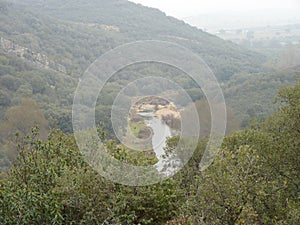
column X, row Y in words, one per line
column 77, row 32
column 214, row 22
column 47, row 45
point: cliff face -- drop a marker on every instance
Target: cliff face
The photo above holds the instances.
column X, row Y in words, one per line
column 36, row 58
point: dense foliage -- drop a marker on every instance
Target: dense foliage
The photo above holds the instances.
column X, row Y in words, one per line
column 46, row 46
column 254, row 180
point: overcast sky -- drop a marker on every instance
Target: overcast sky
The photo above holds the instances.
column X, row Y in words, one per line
column 185, row 8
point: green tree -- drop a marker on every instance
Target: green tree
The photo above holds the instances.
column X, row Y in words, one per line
column 51, row 184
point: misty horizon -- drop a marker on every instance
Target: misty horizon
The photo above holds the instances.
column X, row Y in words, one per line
column 229, row 16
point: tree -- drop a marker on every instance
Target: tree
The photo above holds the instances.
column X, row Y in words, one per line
column 255, row 177
column 50, row 183
column 18, row 121
column 21, row 118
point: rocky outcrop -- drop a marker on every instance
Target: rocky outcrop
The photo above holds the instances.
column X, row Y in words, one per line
column 36, row 58
column 98, row 26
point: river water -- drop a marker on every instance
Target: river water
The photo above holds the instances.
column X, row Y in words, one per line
column 161, row 131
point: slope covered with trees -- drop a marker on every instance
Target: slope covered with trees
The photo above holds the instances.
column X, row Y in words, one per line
column 254, row 180
column 47, row 45
column 80, row 30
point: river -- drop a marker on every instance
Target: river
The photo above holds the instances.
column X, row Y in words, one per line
column 161, row 131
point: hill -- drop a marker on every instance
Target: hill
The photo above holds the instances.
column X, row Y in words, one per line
column 47, row 45
column 81, row 31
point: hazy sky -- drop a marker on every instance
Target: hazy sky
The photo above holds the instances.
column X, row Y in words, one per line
column 184, row 8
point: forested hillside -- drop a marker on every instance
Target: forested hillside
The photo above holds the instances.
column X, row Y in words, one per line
column 63, row 38
column 253, row 180
column 82, row 31
column 45, row 47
